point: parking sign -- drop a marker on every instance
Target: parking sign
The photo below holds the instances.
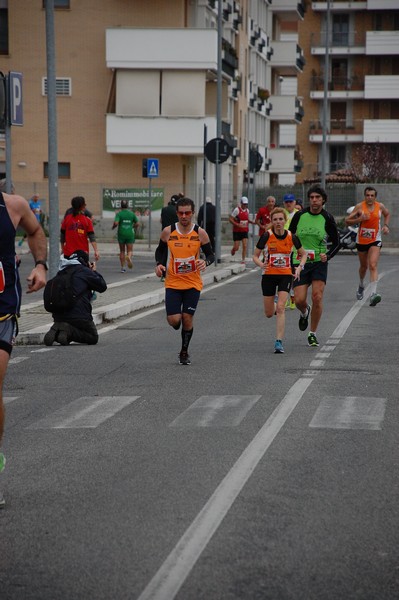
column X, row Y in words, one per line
column 16, row 112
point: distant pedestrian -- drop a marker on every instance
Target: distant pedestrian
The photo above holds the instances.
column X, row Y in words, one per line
column 210, row 215
column 168, row 213
column 76, row 324
column 127, row 223
column 77, row 230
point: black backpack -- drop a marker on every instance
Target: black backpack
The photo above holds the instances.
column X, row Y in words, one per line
column 59, row 294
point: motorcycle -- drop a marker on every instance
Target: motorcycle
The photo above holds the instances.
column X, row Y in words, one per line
column 347, row 236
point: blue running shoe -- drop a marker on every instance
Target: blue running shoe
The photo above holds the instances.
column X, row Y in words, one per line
column 278, row 347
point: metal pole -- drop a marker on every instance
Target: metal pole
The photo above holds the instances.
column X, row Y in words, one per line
column 218, row 215
column 7, row 135
column 325, row 101
column 149, row 214
column 204, row 174
column 54, row 212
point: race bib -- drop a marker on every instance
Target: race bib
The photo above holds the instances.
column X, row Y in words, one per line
column 182, row 266
column 243, row 223
column 311, row 255
column 279, row 261
column 367, row 234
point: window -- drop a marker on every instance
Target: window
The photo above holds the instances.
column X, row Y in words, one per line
column 63, row 86
column 3, row 30
column 340, row 30
column 64, row 170
column 337, row 158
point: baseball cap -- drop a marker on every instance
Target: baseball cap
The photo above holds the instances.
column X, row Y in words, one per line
column 289, row 198
column 244, row 200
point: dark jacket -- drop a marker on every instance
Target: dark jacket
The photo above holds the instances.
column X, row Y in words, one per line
column 84, row 281
column 168, row 215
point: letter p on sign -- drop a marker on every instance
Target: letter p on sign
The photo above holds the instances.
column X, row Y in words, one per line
column 16, row 112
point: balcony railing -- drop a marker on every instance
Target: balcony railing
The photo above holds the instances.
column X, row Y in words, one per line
column 346, row 39
column 338, row 82
column 337, row 126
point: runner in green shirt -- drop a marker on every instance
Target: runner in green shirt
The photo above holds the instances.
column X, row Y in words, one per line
column 313, row 226
column 126, row 222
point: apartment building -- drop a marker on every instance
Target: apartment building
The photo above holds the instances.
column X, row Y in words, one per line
column 363, row 81
column 138, row 79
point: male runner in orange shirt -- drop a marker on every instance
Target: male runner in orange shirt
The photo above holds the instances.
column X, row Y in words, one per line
column 183, row 283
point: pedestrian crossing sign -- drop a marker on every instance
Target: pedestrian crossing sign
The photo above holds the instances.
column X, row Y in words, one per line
column 152, row 167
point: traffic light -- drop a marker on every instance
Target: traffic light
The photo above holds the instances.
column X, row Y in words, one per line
column 145, row 167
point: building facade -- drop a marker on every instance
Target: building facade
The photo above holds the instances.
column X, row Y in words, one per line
column 362, row 97
column 137, row 80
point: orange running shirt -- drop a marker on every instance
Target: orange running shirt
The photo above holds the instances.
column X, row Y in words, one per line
column 370, row 230
column 183, row 250
column 278, row 255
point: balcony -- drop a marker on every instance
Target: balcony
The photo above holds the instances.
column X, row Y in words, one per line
column 382, row 4
column 286, row 109
column 157, row 135
column 339, row 87
column 384, row 131
column 287, row 58
column 190, row 49
column 348, row 44
column 284, row 160
column 382, row 43
column 381, row 87
column 288, row 9
column 338, row 131
column 340, row 5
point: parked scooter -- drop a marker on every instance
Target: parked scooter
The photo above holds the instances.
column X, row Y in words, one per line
column 347, row 236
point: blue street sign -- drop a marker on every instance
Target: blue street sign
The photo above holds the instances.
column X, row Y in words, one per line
column 16, row 113
column 152, row 167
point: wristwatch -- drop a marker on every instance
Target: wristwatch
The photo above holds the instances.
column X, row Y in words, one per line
column 42, row 262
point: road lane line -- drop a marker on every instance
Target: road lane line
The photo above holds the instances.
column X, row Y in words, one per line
column 215, row 411
column 168, row 580
column 176, row 568
column 349, row 412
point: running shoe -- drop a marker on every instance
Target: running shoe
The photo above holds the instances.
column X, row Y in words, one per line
column 304, row 321
column 232, row 252
column 2, row 501
column 278, row 347
column 375, row 299
column 2, row 462
column 50, row 337
column 359, row 293
column 129, row 262
column 123, row 270
column 312, row 340
column 184, row 358
column 292, row 303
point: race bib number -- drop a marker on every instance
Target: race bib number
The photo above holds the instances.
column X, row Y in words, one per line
column 279, row 261
column 311, row 255
column 184, row 265
column 243, row 223
column 367, row 234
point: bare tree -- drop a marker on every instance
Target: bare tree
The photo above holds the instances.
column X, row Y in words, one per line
column 373, row 163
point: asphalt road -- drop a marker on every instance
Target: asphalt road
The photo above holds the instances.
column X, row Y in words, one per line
column 245, row 475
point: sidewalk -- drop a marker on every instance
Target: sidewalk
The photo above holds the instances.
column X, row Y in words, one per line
column 121, row 298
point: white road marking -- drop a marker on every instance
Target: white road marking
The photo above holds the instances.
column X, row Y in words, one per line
column 8, row 399
column 42, row 350
column 17, row 359
column 168, row 580
column 172, row 574
column 317, row 363
column 349, row 412
column 215, row 411
column 85, row 412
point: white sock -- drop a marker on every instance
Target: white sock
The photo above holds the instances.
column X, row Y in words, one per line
column 373, row 287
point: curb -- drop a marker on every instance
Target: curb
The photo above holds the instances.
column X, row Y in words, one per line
column 112, row 312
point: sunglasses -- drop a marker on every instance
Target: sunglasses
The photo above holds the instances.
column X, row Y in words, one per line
column 184, row 212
